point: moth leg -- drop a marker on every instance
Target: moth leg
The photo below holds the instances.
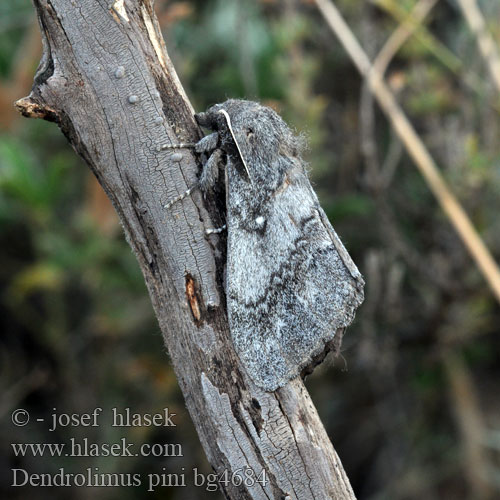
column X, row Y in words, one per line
column 215, row 230
column 210, row 173
column 180, row 197
column 181, row 145
column 207, row 143
column 204, row 145
column 206, row 182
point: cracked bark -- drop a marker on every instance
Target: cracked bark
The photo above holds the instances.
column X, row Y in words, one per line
column 106, row 80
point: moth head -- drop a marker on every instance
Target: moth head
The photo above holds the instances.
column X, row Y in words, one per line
column 208, row 119
column 218, row 118
column 258, row 133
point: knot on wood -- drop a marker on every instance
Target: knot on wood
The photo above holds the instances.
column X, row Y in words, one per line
column 194, row 299
column 32, row 109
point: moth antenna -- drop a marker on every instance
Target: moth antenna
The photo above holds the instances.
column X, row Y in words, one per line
column 228, row 121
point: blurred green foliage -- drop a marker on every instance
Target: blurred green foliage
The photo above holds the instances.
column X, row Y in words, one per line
column 412, row 404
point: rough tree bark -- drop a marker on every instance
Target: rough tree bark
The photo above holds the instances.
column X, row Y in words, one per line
column 106, row 80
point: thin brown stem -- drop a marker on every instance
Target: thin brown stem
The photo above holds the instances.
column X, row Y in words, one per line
column 415, row 147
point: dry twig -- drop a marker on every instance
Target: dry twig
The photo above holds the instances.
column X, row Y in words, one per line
column 485, row 42
column 469, row 421
column 376, row 177
column 415, row 147
column 403, row 32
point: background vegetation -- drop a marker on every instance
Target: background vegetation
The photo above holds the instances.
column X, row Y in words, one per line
column 413, row 405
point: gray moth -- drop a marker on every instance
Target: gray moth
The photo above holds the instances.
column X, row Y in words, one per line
column 291, row 286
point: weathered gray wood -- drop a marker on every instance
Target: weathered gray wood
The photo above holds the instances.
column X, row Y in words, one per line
column 106, row 79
